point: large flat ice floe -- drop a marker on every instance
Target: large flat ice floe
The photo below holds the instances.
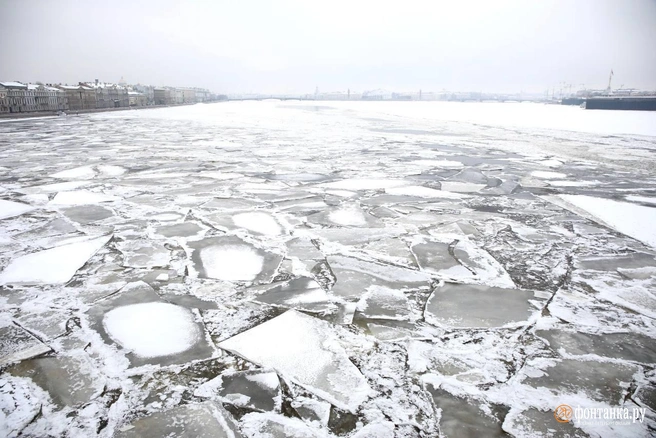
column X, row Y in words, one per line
column 10, row 208
column 305, row 350
column 631, row 219
column 52, row 266
column 202, row 420
column 476, row 306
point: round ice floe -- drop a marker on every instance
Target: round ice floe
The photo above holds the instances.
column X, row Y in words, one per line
column 152, row 329
column 257, row 221
column 231, row 262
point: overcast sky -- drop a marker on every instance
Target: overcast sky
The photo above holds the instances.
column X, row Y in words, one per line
column 293, row 46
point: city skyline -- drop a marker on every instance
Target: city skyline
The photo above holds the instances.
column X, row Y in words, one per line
column 292, row 47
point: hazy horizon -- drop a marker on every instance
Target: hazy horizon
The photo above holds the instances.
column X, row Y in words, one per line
column 293, row 46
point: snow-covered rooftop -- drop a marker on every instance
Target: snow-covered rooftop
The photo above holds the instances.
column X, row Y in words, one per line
column 73, row 87
column 11, row 84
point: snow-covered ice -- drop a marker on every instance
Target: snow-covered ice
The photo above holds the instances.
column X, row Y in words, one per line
column 152, row 329
column 232, row 259
column 83, row 172
column 645, row 199
column 303, row 349
column 51, row 266
column 258, row 222
column 352, row 269
column 631, row 219
column 233, row 263
column 544, row 174
column 10, row 208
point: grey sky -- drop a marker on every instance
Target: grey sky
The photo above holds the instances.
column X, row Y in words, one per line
column 293, row 46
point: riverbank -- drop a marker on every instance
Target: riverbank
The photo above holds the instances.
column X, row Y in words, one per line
column 87, row 111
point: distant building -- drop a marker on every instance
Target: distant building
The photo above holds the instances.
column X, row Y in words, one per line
column 148, row 92
column 377, row 95
column 18, row 98
column 4, row 105
column 202, row 95
column 136, row 98
column 48, row 98
column 189, row 95
column 334, row 95
column 80, row 97
column 109, row 95
column 401, row 96
column 162, row 96
column 178, row 96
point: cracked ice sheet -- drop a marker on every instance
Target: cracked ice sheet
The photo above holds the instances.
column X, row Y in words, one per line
column 468, row 264
column 631, row 219
column 305, row 350
column 52, row 266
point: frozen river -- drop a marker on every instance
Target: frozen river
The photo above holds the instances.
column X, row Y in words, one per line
column 360, row 269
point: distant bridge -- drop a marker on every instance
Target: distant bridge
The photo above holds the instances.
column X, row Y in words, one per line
column 445, row 98
column 269, row 98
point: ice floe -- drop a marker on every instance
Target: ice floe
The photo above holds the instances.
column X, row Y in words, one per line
column 152, row 329
column 231, row 259
column 548, row 175
column 82, row 172
column 303, row 348
column 200, row 420
column 148, row 329
column 258, row 222
column 10, row 208
column 631, row 219
column 55, row 265
column 464, row 305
